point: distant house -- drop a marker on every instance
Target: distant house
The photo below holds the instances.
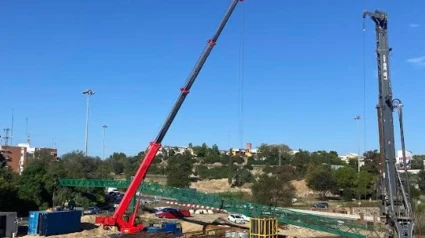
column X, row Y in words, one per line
column 177, row 149
column 336, row 167
column 347, row 157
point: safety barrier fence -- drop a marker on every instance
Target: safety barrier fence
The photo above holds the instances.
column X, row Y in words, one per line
column 341, row 227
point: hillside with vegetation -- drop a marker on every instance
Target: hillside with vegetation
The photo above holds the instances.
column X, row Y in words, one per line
column 273, row 176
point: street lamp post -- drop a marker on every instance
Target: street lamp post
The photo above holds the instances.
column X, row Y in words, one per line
column 357, row 118
column 103, row 148
column 89, row 93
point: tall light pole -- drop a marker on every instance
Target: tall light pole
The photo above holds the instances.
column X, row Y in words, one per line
column 357, row 118
column 104, row 132
column 89, row 93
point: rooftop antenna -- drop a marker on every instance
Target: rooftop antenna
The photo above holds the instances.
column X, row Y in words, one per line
column 6, row 136
column 27, row 135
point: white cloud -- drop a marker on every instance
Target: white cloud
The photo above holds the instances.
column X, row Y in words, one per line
column 418, row 61
column 413, row 25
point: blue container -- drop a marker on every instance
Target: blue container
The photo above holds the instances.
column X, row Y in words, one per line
column 33, row 222
column 61, row 222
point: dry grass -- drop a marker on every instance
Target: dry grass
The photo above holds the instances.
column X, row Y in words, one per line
column 420, row 223
column 222, row 186
column 218, row 186
column 301, row 188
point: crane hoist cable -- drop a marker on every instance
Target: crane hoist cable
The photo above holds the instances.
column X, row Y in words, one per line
column 241, row 77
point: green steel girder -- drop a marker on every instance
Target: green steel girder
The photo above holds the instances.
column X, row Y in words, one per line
column 94, row 183
column 341, row 227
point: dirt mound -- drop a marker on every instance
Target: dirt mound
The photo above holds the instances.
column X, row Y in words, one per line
column 221, row 186
column 301, row 188
column 218, row 186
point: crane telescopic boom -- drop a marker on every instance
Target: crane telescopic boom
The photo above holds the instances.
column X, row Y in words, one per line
column 117, row 220
column 395, row 205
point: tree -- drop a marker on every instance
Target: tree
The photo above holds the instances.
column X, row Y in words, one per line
column 178, row 170
column 3, row 160
column 271, row 190
column 421, row 180
column 230, row 170
column 365, row 183
column 117, row 161
column 270, row 153
column 418, row 162
column 34, row 183
column 38, row 182
column 200, row 151
column 9, row 194
column 372, row 160
column 214, row 150
column 346, row 177
column 301, row 161
column 353, row 163
column 321, row 180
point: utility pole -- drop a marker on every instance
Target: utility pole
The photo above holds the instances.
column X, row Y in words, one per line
column 11, row 131
column 357, row 118
column 104, row 133
column 89, row 93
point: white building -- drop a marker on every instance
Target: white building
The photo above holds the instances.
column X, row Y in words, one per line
column 347, row 157
column 399, row 159
column 177, row 149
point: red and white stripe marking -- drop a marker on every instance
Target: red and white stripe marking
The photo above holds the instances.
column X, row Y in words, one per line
column 195, row 206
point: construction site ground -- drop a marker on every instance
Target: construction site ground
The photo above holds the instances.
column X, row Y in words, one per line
column 196, row 222
column 190, row 224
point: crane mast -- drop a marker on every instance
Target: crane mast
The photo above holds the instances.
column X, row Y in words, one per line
column 117, row 219
column 395, row 205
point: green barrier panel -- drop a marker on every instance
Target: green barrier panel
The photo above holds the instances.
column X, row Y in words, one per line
column 341, row 227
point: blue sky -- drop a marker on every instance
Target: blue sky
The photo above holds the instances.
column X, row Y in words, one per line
column 303, row 72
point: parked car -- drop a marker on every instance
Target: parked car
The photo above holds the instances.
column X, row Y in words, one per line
column 91, row 211
column 236, row 218
column 184, row 212
column 321, row 205
column 170, row 214
column 165, row 209
column 245, row 218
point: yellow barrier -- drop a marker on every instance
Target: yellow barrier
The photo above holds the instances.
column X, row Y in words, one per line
column 263, row 228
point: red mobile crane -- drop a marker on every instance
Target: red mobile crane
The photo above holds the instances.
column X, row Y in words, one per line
column 117, row 220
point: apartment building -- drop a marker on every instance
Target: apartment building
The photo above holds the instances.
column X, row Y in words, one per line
column 18, row 156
